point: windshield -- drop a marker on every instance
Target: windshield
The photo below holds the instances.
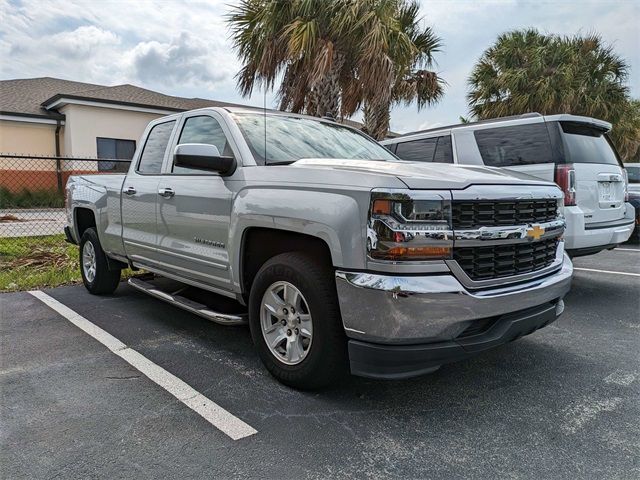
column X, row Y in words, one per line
column 293, row 138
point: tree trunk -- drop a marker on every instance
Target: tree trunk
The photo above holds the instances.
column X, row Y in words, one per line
column 376, row 118
column 326, row 92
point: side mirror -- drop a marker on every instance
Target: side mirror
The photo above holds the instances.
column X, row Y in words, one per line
column 201, row 156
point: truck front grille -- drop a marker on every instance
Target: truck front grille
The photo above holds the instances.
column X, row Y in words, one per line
column 489, row 213
column 496, row 261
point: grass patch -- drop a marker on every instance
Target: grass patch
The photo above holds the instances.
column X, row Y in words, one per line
column 28, row 263
column 30, row 199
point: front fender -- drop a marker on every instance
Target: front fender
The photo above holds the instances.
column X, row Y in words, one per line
column 338, row 218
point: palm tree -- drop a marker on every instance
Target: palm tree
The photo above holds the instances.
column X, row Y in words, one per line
column 336, row 56
column 526, row 71
column 407, row 57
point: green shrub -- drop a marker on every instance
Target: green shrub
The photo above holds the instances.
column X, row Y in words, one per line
column 30, row 199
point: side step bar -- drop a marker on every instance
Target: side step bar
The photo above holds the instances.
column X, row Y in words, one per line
column 189, row 305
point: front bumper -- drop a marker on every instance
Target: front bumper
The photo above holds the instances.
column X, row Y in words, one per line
column 386, row 315
column 403, row 361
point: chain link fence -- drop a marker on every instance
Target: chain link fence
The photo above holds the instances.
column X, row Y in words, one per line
column 32, row 191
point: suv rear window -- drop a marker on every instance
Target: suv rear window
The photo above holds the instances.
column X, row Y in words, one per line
column 516, row 145
column 633, row 172
column 586, row 144
column 433, row 149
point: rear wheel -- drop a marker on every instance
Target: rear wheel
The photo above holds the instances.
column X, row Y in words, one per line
column 96, row 275
column 295, row 321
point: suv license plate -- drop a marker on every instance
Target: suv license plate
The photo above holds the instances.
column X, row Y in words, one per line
column 605, row 191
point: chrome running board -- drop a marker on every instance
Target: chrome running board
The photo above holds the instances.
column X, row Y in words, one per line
column 188, row 305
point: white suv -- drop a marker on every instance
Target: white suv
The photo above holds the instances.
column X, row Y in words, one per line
column 573, row 151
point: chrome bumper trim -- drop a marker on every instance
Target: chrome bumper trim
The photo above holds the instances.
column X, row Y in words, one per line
column 412, row 309
column 483, row 236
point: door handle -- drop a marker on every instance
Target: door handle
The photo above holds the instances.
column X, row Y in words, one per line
column 129, row 191
column 166, row 192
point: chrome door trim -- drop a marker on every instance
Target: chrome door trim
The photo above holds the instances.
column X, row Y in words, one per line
column 220, row 266
column 140, row 245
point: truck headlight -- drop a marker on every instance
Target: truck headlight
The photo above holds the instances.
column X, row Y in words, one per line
column 410, row 226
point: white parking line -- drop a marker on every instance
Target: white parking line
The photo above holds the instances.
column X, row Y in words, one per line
column 210, row 411
column 607, row 271
column 627, row 249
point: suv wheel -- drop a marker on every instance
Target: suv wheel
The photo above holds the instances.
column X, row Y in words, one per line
column 295, row 321
column 96, row 276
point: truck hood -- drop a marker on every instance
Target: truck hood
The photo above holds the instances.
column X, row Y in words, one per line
column 419, row 175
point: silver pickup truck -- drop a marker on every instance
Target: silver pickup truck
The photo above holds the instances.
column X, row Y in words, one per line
column 340, row 256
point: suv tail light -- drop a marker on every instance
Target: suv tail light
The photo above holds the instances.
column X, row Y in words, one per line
column 625, row 175
column 566, row 180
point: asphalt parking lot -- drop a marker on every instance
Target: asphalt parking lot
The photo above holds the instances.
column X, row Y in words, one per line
column 563, row 402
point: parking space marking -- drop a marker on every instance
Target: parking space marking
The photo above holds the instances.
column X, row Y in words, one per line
column 607, row 271
column 210, row 411
column 627, row 249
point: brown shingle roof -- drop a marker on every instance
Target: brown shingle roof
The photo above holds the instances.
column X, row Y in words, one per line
column 28, row 96
column 24, row 96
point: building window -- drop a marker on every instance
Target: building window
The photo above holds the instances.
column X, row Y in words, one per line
column 114, row 148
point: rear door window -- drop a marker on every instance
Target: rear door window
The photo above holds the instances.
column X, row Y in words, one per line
column 417, row 150
column 155, row 148
column 444, row 152
column 515, row 145
column 586, row 144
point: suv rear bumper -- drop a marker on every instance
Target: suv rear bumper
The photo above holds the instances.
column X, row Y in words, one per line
column 416, row 317
column 585, row 239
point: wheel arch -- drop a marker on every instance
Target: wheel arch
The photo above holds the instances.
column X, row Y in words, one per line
column 259, row 244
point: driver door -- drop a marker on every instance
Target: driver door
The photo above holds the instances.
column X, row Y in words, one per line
column 194, row 209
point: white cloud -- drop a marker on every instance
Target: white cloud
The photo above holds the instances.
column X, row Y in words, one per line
column 80, row 43
column 182, row 47
column 183, row 60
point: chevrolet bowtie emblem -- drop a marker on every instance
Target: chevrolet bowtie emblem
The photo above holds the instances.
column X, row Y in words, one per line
column 535, row 232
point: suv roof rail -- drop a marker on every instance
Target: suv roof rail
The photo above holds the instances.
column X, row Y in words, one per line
column 477, row 122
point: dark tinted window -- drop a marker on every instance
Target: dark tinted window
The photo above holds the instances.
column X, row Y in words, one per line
column 154, row 149
column 417, row 150
column 585, row 144
column 203, row 129
column 516, row 145
column 444, row 152
column 114, row 148
column 391, row 147
column 633, row 172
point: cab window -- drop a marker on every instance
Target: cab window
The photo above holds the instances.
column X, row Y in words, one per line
column 155, row 148
column 203, row 129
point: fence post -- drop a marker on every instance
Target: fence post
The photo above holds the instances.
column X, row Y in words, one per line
column 58, row 161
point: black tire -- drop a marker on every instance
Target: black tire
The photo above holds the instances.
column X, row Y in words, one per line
column 326, row 360
column 105, row 281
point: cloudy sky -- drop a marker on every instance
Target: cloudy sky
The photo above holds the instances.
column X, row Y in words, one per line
column 182, row 47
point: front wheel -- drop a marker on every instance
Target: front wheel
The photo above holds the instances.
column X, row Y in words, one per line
column 96, row 276
column 295, row 321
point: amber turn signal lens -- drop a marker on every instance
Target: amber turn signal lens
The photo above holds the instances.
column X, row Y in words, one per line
column 382, row 207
